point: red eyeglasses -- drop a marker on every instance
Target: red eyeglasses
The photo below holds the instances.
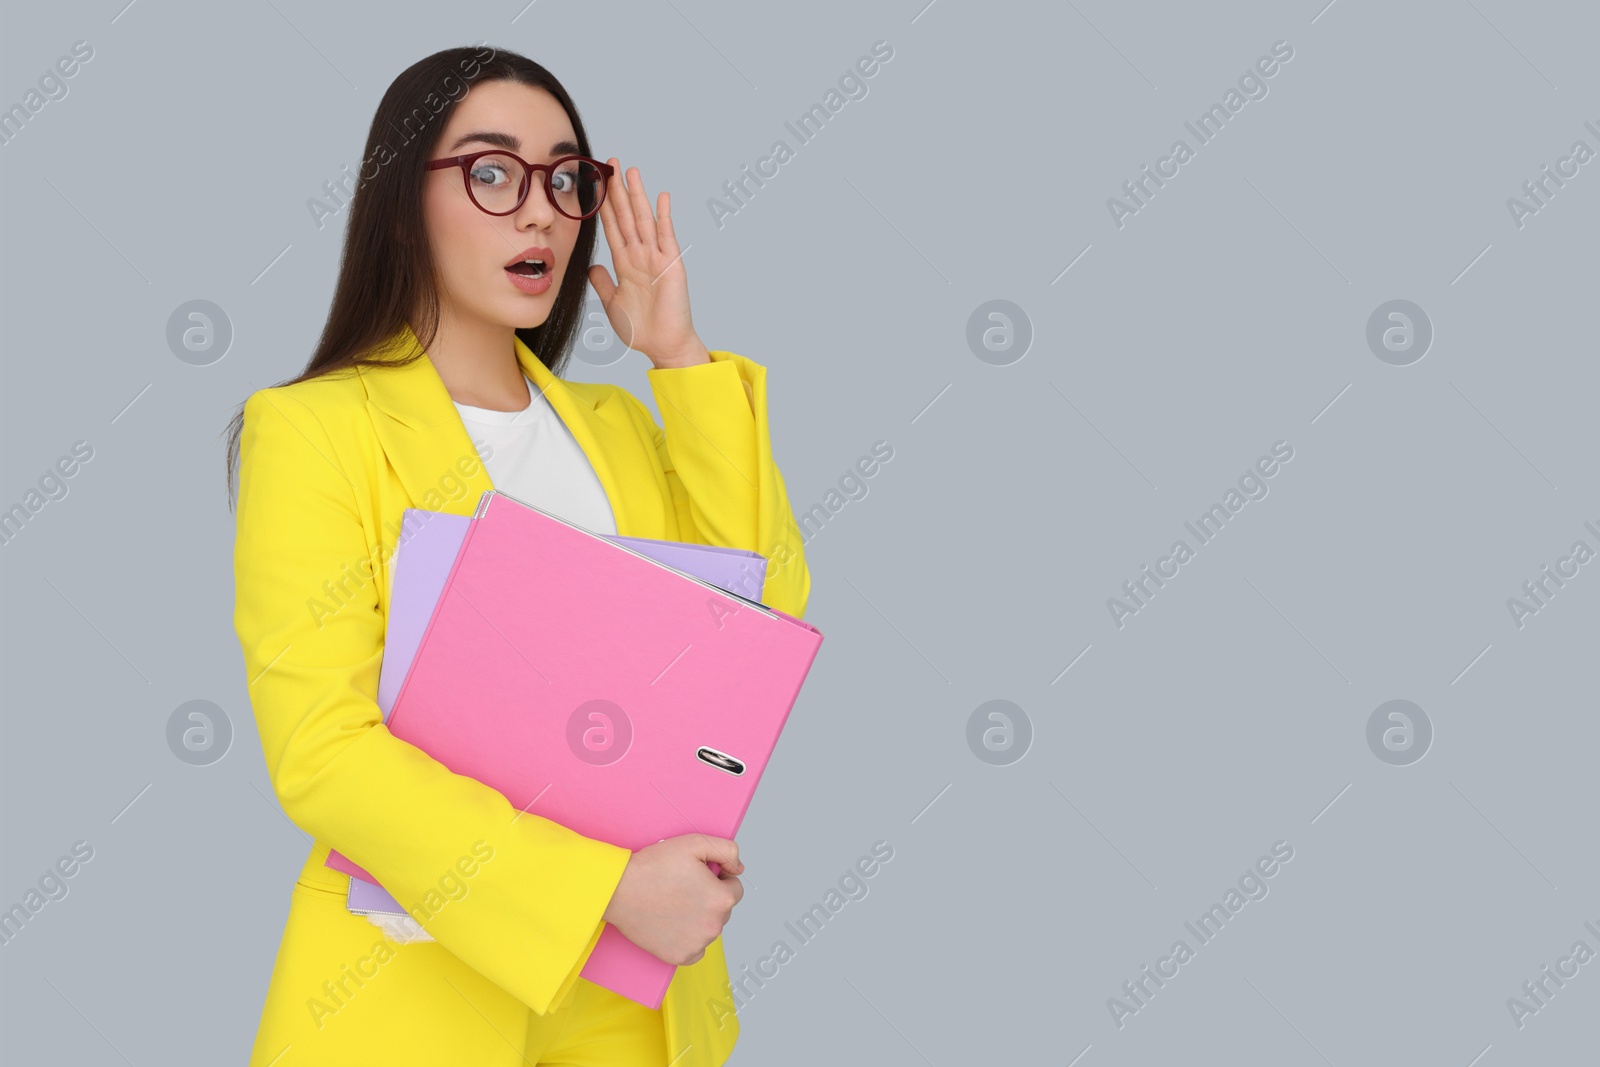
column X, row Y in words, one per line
column 498, row 181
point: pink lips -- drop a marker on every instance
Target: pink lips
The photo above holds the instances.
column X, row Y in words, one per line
column 535, row 252
column 529, row 284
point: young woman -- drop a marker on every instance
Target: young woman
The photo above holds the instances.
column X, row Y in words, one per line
column 469, row 244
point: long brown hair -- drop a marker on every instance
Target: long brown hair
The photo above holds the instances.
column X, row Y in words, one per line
column 387, row 271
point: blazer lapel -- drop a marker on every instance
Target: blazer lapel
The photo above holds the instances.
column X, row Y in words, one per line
column 426, row 443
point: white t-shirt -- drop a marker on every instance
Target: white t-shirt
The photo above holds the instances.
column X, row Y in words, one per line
column 535, row 458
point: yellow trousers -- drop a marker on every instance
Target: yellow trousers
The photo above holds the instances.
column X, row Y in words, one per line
column 342, row 993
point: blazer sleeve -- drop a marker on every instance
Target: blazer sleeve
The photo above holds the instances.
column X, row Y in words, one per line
column 517, row 897
column 715, row 448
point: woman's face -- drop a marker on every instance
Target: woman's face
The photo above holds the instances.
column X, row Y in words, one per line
column 472, row 249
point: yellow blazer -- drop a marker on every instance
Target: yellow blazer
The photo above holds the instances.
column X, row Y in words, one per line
column 327, row 466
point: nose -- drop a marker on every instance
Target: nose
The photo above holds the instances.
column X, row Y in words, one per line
column 536, row 209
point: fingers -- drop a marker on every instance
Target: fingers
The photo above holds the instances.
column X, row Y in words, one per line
column 610, row 225
column 644, row 220
column 628, row 218
column 721, row 849
column 666, row 236
column 616, row 211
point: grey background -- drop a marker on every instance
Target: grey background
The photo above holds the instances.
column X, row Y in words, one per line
column 1228, row 314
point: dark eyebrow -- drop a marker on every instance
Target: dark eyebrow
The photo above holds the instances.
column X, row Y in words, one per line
column 512, row 144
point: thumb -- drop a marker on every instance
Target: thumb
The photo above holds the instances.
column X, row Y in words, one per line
column 600, row 278
column 724, row 851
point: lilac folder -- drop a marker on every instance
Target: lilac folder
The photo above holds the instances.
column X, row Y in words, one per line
column 429, row 543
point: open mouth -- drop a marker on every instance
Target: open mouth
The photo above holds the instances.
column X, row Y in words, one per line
column 530, row 268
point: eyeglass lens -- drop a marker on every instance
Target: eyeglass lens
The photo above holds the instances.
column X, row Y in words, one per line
column 495, row 180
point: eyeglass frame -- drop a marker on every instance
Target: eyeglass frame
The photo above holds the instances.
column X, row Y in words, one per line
column 465, row 162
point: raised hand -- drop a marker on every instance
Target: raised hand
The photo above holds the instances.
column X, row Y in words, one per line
column 648, row 304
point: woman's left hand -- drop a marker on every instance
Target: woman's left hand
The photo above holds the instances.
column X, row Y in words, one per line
column 648, row 305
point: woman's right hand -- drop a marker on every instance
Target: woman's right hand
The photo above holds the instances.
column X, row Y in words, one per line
column 669, row 902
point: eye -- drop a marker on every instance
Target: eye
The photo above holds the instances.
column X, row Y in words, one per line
column 484, row 174
column 565, row 180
